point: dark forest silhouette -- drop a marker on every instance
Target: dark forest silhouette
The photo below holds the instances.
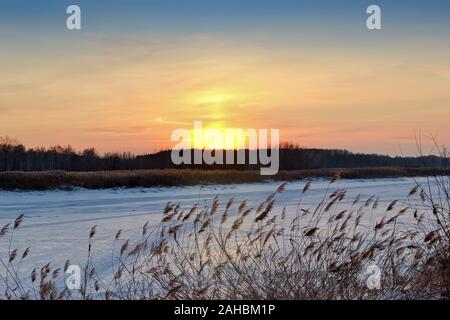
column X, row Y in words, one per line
column 16, row 157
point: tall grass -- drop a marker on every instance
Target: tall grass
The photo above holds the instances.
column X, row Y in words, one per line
column 233, row 251
column 49, row 180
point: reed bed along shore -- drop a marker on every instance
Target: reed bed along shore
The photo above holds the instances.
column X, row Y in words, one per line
column 50, row 180
column 228, row 250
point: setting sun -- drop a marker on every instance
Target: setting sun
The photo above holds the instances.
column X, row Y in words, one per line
column 218, row 138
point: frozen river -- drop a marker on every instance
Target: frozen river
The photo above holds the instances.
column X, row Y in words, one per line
column 57, row 223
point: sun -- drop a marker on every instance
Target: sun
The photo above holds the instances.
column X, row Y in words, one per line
column 210, row 106
column 218, row 137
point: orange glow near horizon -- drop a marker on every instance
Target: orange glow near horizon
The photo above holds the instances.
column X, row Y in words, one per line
column 115, row 101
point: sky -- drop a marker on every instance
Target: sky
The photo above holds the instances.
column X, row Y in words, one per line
column 138, row 70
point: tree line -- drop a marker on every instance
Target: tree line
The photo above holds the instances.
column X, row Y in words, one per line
column 14, row 156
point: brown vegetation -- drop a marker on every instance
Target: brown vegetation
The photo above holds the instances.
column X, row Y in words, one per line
column 231, row 251
column 177, row 177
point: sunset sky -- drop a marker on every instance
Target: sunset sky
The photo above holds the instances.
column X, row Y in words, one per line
column 140, row 69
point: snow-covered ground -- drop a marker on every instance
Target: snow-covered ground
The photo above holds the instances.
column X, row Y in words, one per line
column 57, row 223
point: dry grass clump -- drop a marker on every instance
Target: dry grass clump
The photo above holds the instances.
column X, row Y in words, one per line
column 233, row 251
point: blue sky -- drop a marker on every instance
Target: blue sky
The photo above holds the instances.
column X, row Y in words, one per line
column 283, row 23
column 220, row 16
